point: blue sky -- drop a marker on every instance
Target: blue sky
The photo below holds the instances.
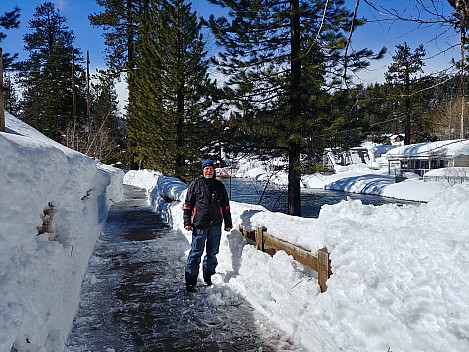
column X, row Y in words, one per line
column 437, row 39
column 373, row 35
column 76, row 12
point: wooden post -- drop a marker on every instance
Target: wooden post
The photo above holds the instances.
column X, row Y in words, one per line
column 323, row 268
column 270, row 244
column 260, row 239
column 2, row 98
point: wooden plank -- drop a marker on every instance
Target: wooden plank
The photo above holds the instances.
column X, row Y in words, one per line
column 259, row 239
column 270, row 251
column 248, row 234
column 323, row 268
column 319, row 263
column 299, row 254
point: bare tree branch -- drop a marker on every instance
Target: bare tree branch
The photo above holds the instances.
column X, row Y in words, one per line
column 349, row 39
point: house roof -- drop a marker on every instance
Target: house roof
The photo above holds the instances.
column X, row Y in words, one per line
column 448, row 171
column 394, row 136
column 449, row 148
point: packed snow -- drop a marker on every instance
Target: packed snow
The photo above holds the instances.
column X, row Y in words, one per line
column 400, row 273
column 53, row 204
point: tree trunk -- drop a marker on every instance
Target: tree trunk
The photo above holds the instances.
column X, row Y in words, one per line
column 407, row 130
column 294, row 146
column 180, row 107
column 2, row 108
column 463, row 98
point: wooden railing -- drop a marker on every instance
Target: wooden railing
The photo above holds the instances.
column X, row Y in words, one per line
column 269, row 244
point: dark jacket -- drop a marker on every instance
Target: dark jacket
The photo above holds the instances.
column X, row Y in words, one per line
column 207, row 204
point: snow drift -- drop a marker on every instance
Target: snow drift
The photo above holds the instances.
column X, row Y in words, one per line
column 53, row 204
column 400, row 273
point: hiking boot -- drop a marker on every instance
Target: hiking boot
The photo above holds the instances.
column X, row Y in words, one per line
column 207, row 276
column 190, row 289
column 208, row 280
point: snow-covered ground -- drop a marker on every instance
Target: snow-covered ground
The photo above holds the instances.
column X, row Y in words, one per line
column 400, row 273
column 400, row 277
column 41, row 274
column 360, row 179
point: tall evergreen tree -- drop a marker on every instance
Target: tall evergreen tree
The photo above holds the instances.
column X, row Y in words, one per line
column 171, row 123
column 349, row 125
column 105, row 135
column 279, row 55
column 9, row 20
column 121, row 21
column 53, row 82
column 11, row 95
column 401, row 73
column 379, row 110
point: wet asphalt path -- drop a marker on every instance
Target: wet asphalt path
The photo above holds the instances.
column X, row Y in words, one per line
column 133, row 296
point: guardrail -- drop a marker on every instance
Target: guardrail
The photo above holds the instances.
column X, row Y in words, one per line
column 270, row 244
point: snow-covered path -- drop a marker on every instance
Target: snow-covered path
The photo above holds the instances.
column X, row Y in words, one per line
column 133, row 296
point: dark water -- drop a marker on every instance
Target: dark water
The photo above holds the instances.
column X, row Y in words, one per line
column 275, row 198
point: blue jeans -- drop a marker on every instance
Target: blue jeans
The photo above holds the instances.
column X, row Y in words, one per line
column 208, row 237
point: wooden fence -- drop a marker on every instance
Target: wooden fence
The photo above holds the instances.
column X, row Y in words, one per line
column 269, row 244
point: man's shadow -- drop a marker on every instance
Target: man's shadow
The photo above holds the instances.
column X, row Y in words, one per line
column 236, row 243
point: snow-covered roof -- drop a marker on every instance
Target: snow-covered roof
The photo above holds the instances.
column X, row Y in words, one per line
column 448, row 171
column 383, row 148
column 400, row 135
column 449, row 148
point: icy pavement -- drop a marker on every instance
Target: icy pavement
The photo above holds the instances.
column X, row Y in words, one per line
column 134, row 299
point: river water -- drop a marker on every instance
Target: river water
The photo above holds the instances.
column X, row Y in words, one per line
column 274, row 197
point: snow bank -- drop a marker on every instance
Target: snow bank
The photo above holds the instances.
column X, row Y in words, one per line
column 46, row 187
column 399, row 282
column 443, row 148
column 377, row 183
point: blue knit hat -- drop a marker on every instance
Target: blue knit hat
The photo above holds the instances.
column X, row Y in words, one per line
column 208, row 162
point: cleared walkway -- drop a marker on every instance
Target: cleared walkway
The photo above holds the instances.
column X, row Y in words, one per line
column 134, row 299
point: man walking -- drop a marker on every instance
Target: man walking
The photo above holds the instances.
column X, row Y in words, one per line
column 206, row 207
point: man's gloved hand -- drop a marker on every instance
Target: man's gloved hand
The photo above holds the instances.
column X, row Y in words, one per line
column 188, row 228
column 227, row 229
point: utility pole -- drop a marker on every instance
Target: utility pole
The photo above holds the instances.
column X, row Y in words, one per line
column 74, row 102
column 88, row 103
column 463, row 100
column 2, row 99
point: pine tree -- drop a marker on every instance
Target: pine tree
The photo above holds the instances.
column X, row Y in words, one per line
column 53, row 82
column 401, row 74
column 121, row 22
column 379, row 111
column 172, row 116
column 106, row 133
column 348, row 123
column 11, row 95
column 8, row 21
column 278, row 56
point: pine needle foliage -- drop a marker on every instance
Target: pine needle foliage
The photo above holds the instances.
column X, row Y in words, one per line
column 171, row 117
column 120, row 21
column 402, row 73
column 52, row 78
column 282, row 57
column 9, row 20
